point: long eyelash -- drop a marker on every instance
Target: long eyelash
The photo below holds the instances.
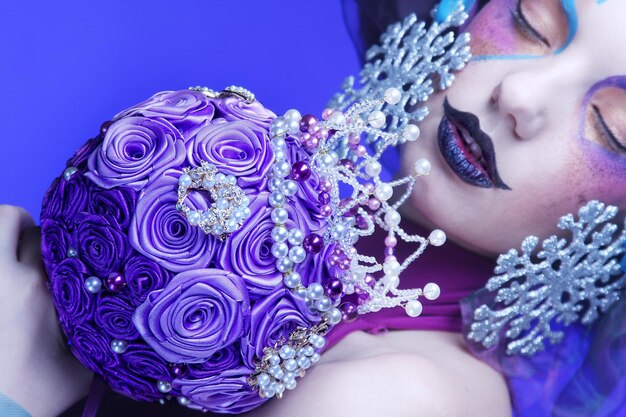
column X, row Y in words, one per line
column 524, row 25
column 606, row 132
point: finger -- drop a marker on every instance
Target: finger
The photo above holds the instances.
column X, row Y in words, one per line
column 29, row 251
column 12, row 221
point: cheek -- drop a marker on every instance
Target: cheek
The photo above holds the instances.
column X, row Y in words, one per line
column 606, row 173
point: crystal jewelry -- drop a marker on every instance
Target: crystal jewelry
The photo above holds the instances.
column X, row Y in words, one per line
column 339, row 158
column 563, row 282
column 409, row 56
column 230, row 207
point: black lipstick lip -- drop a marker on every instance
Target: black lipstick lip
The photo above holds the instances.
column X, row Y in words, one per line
column 456, row 154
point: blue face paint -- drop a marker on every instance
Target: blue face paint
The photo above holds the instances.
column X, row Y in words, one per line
column 446, row 7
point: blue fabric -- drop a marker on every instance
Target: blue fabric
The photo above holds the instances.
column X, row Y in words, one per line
column 9, row 408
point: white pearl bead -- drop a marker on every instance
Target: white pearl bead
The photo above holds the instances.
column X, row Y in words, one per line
column 392, row 95
column 413, row 308
column 289, row 188
column 279, row 122
column 422, row 166
column 304, row 362
column 411, row 133
column 277, row 199
column 185, row 180
column 93, row 284
column 296, row 237
column 432, row 291
column 315, row 291
column 391, row 281
column 284, row 264
column 278, row 143
column 194, row 217
column 323, row 304
column 325, row 161
column 383, row 191
column 282, row 169
column 280, row 249
column 392, row 268
column 377, row 119
column 119, row 346
column 338, row 231
column 287, row 352
column 291, row 365
column 291, row 384
column 373, row 168
column 263, row 379
column 183, row 401
column 297, row 254
column 315, row 357
column 308, row 350
column 334, row 315
column 279, row 215
column 274, row 359
column 437, row 237
column 164, row 386
column 292, row 280
column 279, row 234
column 392, row 218
column 293, row 126
column 67, row 174
column 292, row 114
column 337, row 117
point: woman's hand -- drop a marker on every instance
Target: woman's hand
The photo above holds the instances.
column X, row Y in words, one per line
column 36, row 369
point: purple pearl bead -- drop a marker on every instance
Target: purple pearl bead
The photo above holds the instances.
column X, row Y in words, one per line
column 350, row 212
column 324, row 197
column 344, row 264
column 334, row 288
column 325, row 185
column 115, row 282
column 307, row 122
column 105, row 126
column 370, row 281
column 373, row 203
column 347, row 163
column 180, row 369
column 361, row 222
column 348, row 312
column 300, row 171
column 313, row 243
column 326, row 210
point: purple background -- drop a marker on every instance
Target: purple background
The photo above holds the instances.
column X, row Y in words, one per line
column 65, row 67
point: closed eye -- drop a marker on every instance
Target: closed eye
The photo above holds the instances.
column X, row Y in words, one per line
column 606, row 132
column 525, row 27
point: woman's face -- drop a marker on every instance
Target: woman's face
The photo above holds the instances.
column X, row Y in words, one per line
column 547, row 86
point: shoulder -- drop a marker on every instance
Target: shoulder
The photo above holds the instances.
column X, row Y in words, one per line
column 391, row 382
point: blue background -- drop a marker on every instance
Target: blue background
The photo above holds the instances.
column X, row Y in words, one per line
column 65, row 67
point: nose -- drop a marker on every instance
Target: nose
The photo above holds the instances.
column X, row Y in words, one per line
column 524, row 96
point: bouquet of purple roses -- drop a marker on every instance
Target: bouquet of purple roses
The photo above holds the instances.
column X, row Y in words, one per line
column 160, row 241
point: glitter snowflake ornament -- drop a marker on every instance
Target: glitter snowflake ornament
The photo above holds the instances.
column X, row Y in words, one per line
column 563, row 283
column 411, row 57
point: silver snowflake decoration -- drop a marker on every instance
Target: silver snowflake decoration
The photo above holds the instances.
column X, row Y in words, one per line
column 563, row 283
column 410, row 57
